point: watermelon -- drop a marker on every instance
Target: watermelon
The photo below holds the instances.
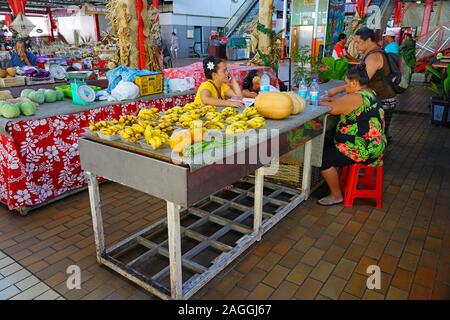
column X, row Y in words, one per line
column 50, row 96
column 11, row 111
column 27, row 108
column 26, row 93
column 59, row 95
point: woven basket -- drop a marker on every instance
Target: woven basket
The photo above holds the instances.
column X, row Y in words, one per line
column 290, row 172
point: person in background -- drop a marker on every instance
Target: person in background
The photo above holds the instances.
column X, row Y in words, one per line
column 378, row 70
column 408, row 43
column 167, row 58
column 359, row 137
column 408, row 50
column 340, row 51
column 174, row 46
column 22, row 57
column 215, row 90
column 252, row 85
column 392, row 45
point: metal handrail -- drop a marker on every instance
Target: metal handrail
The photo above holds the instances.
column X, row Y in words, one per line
column 238, row 16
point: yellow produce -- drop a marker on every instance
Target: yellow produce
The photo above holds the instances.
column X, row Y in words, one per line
column 11, row 72
column 251, row 113
column 256, row 123
column 237, row 127
column 274, row 105
column 197, row 130
column 229, row 112
column 298, row 103
column 239, row 117
column 179, row 140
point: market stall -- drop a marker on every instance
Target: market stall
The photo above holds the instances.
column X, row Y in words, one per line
column 207, row 226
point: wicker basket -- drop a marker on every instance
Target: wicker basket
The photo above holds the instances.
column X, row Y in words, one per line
column 12, row 82
column 290, row 172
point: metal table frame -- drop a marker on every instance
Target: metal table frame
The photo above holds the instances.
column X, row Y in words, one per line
column 175, row 203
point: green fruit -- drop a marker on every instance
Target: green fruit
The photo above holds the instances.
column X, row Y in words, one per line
column 27, row 108
column 50, row 96
column 26, row 93
column 59, row 95
column 10, row 112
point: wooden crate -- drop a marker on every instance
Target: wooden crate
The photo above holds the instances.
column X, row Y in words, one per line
column 12, row 82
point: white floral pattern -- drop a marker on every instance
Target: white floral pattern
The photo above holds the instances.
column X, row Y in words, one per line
column 39, row 159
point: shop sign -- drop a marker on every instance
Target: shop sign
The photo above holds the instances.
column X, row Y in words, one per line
column 90, row 9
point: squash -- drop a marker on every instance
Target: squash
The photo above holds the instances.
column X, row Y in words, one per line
column 180, row 140
column 299, row 104
column 3, row 73
column 274, row 105
column 11, row 72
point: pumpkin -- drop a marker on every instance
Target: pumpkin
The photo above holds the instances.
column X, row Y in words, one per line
column 274, row 105
column 11, row 72
column 298, row 102
column 180, row 140
column 3, row 73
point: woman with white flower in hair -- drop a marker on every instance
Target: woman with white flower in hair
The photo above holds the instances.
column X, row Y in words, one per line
column 215, row 90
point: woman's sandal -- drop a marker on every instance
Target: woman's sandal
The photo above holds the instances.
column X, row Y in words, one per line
column 328, row 202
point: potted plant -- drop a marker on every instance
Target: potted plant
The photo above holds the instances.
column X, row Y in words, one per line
column 440, row 105
column 306, row 66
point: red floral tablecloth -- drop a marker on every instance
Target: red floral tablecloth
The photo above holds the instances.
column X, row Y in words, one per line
column 195, row 71
column 39, row 160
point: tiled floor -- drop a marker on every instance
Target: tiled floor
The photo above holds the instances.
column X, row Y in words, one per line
column 314, row 253
column 17, row 283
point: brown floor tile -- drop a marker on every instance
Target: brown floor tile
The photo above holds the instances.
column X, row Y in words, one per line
column 309, row 290
column 304, row 244
column 420, row 293
column 357, row 285
column 441, row 291
column 285, row 291
column 334, row 254
column 283, row 246
column 261, row 292
column 409, row 261
column 276, row 276
column 355, row 252
column 345, row 269
column 291, row 259
column 396, row 294
column 425, row 277
column 299, row 273
column 269, row 261
column 248, row 263
column 388, row 263
column 251, row 279
column 237, row 294
column 365, row 262
column 333, row 287
column 402, row 279
column 372, row 295
column 394, row 248
column 322, row 271
column 312, row 257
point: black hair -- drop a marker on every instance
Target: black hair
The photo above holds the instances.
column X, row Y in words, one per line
column 209, row 72
column 366, row 33
column 342, row 36
column 248, row 81
column 358, row 73
column 173, row 33
column 408, row 35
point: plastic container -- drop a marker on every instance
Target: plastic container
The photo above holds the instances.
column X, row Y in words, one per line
column 151, row 84
column 314, row 93
column 265, row 83
column 303, row 89
column 68, row 91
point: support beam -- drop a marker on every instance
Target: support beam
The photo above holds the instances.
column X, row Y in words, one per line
column 173, row 226
column 426, row 17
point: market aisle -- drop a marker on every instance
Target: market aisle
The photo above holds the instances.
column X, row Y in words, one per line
column 314, row 253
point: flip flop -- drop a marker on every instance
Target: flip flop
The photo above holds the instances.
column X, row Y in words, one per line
column 327, row 202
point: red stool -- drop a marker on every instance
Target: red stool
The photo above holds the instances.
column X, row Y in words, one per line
column 371, row 182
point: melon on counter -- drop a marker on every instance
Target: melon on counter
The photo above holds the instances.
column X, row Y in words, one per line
column 274, row 105
column 298, row 102
column 11, row 72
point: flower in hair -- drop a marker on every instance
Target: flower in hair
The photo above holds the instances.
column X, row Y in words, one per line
column 210, row 65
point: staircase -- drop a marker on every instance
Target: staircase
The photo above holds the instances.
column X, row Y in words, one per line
column 248, row 10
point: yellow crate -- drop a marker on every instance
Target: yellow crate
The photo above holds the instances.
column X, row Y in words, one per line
column 150, row 84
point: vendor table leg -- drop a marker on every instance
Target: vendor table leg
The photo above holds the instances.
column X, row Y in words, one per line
column 173, row 226
column 97, row 222
column 258, row 206
column 306, row 180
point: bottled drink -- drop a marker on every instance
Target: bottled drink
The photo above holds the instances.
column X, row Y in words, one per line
column 265, row 83
column 166, row 86
column 314, row 93
column 303, row 89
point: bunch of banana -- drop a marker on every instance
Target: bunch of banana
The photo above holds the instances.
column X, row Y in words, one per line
column 229, row 112
column 214, row 125
column 149, row 114
column 137, row 128
column 186, row 120
column 251, row 113
column 128, row 120
column 214, row 116
column 129, row 134
column 165, row 126
column 172, row 117
column 257, row 122
column 196, row 114
column 175, row 110
column 155, row 138
column 145, row 123
column 237, row 127
column 207, row 109
column 239, row 117
column 96, row 126
column 191, row 106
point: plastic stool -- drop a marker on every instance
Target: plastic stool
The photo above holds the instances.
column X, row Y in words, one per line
column 371, row 188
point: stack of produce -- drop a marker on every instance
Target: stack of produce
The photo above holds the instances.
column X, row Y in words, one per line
column 12, row 108
column 8, row 73
column 42, row 95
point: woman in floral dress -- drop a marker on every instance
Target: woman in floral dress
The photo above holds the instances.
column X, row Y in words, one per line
column 360, row 136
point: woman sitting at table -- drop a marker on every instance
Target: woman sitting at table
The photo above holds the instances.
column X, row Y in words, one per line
column 360, row 136
column 252, row 85
column 215, row 90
